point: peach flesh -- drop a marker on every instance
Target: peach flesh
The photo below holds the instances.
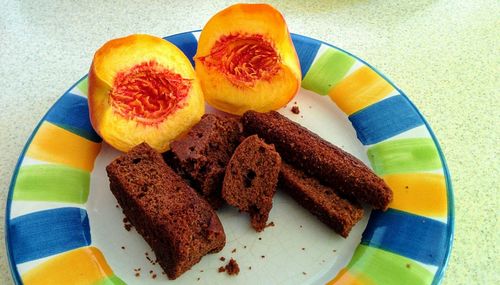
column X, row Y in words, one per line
column 244, row 59
column 148, row 93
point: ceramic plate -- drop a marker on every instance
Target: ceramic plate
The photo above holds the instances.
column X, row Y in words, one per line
column 64, row 226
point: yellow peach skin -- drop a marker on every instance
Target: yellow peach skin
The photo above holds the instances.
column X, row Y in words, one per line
column 143, row 89
column 246, row 60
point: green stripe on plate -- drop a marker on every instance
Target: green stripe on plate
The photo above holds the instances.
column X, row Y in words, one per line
column 110, row 280
column 383, row 267
column 51, row 182
column 404, row 155
column 83, row 86
column 327, row 71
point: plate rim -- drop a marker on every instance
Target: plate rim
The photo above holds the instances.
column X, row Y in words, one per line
column 450, row 198
column 438, row 276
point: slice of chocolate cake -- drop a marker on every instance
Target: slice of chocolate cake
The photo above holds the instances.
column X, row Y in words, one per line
column 202, row 154
column 336, row 212
column 251, row 178
column 319, row 158
column 177, row 223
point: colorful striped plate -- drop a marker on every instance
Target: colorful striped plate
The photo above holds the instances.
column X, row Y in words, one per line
column 63, row 226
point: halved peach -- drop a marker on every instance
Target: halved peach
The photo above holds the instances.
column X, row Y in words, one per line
column 143, row 89
column 246, row 60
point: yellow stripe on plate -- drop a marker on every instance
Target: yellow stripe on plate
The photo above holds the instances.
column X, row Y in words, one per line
column 55, row 144
column 345, row 277
column 81, row 266
column 360, row 89
column 418, row 193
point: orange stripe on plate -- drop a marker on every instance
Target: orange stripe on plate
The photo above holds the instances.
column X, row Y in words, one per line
column 418, row 193
column 345, row 277
column 55, row 144
column 360, row 89
column 81, row 266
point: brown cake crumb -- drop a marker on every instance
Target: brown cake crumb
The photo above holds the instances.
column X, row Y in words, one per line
column 222, row 269
column 222, row 258
column 232, row 268
column 262, row 256
column 201, row 270
column 137, row 274
column 126, row 224
column 244, row 246
column 154, row 276
column 295, row 110
column 198, row 279
column 304, row 273
column 153, row 262
column 271, row 224
column 303, row 248
column 234, row 250
column 116, row 206
column 249, row 267
column 260, row 238
column 123, row 247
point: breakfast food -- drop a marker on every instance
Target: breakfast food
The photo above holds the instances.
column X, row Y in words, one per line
column 179, row 225
column 181, row 165
column 251, row 178
column 319, row 158
column 142, row 89
column 322, row 201
column 202, row 154
column 246, row 60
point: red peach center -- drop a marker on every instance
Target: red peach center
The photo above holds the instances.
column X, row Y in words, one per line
column 148, row 92
column 244, row 59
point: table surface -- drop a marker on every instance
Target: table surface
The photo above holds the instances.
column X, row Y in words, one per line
column 444, row 54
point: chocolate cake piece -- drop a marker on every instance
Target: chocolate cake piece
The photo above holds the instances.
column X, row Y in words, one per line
column 322, row 201
column 177, row 223
column 319, row 158
column 202, row 154
column 251, row 178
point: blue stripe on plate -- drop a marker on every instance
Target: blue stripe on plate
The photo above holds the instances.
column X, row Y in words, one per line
column 185, row 42
column 71, row 112
column 384, row 119
column 306, row 51
column 44, row 233
column 409, row 235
